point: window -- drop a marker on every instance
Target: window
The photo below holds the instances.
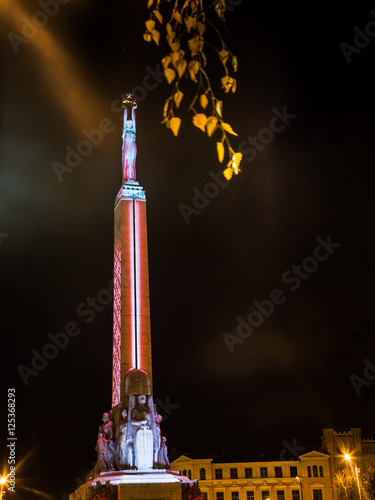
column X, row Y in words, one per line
column 295, row 494
column 278, row 472
column 320, row 470
column 189, row 474
column 184, row 472
column 266, row 495
column 309, row 471
column 220, row 495
column 280, row 495
column 293, row 471
column 235, row 495
column 263, row 472
column 248, row 472
column 317, row 495
column 202, row 474
column 233, row 473
column 204, row 495
column 315, row 471
column 218, row 473
column 250, row 495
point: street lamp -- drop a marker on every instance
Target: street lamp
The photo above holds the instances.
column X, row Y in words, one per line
column 300, row 482
column 348, row 458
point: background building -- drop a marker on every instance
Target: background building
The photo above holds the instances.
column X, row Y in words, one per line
column 308, row 478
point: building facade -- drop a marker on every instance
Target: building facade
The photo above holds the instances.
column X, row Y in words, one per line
column 308, row 478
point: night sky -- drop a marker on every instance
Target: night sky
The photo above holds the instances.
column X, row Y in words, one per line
column 291, row 377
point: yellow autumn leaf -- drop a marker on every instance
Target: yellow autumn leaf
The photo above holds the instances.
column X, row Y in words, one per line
column 211, row 125
column 193, row 68
column 224, row 54
column 150, row 25
column 174, row 125
column 165, row 108
column 201, row 27
column 203, row 101
column 181, row 66
column 228, row 128
column 200, row 120
column 228, row 173
column 178, row 17
column 149, row 3
column 189, row 21
column 234, row 63
column 170, row 32
column 147, row 37
column 234, row 86
column 155, row 36
column 220, row 151
column 158, row 16
column 226, row 83
column 219, row 107
column 166, row 61
column 169, row 74
column 175, row 56
column 236, row 160
column 177, row 97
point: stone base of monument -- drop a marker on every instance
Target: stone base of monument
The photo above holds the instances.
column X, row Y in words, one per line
column 155, row 484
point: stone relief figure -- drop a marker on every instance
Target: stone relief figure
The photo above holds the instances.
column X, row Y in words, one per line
column 107, row 430
column 143, row 442
column 102, row 492
column 163, row 461
column 157, row 435
column 129, row 147
column 104, row 453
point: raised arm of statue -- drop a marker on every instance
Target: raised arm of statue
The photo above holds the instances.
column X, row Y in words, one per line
column 129, row 147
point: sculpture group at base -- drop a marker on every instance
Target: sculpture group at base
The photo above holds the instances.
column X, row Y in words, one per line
column 130, row 436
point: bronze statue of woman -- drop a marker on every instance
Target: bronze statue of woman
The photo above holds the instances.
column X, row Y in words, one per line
column 129, row 147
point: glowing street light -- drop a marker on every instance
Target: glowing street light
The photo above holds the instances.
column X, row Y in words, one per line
column 348, row 458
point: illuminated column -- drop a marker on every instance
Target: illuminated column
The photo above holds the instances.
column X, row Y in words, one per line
column 131, row 316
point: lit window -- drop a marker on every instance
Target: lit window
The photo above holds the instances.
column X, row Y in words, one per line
column 184, row 472
column 189, row 474
column 315, row 471
column 295, row 494
column 265, row 495
column 278, row 472
column 321, row 471
column 233, row 473
column 309, row 471
column 248, row 472
column 220, row 495
column 204, row 495
column 218, row 473
column 250, row 495
column 202, row 474
column 263, row 472
column 317, row 495
column 293, row 471
column 280, row 495
column 235, row 495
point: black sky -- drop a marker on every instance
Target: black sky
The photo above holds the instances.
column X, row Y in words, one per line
column 291, row 377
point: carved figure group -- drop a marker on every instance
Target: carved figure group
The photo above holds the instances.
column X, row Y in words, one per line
column 131, row 437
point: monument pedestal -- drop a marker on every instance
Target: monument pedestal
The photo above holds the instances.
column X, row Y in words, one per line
column 156, row 484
